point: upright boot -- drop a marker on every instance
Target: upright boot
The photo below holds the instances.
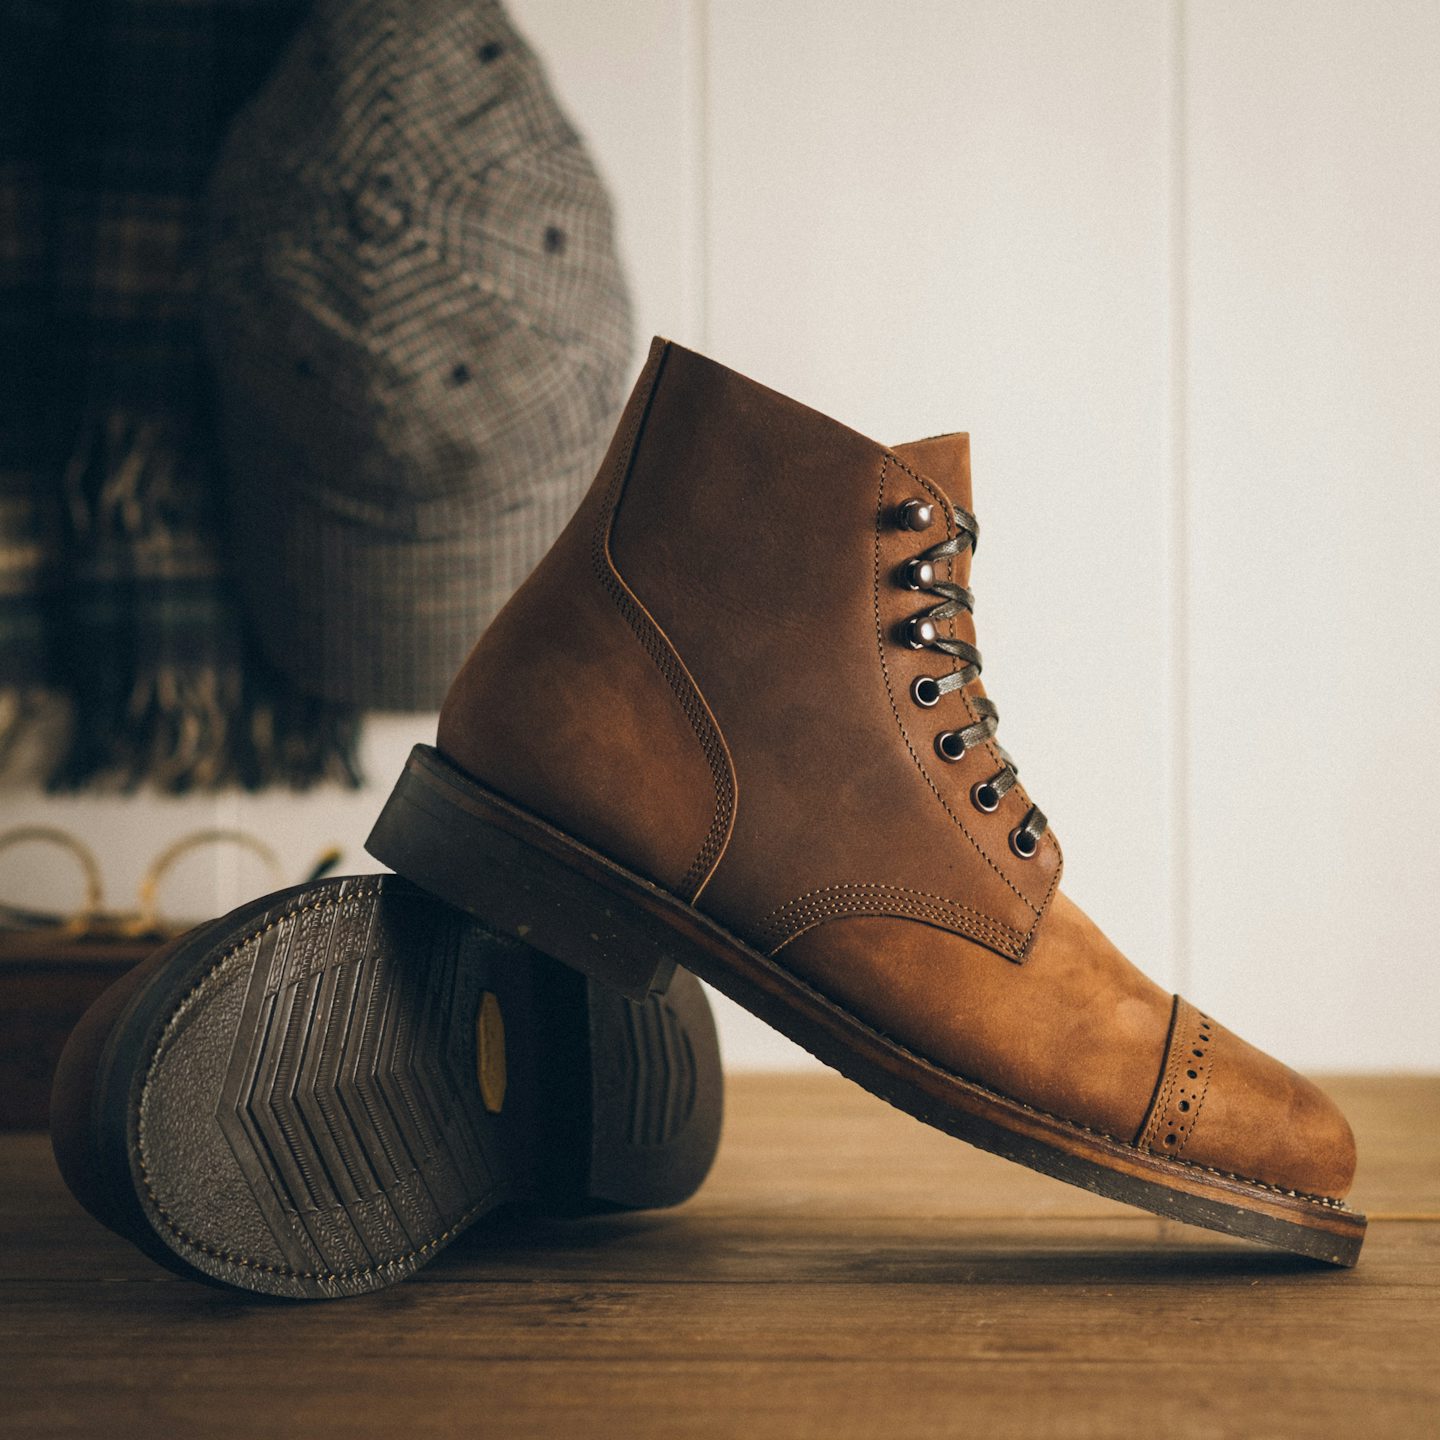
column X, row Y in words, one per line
column 734, row 720
column 314, row 1095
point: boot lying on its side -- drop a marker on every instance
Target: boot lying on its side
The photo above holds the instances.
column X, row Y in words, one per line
column 314, row 1095
column 734, row 720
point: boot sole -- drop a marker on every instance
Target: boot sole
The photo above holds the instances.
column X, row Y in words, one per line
column 529, row 879
column 315, row 1095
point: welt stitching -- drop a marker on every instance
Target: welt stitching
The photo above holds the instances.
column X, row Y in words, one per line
column 229, row 1257
column 890, row 688
column 662, row 655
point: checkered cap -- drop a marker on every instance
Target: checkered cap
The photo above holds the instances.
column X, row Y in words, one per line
column 420, row 333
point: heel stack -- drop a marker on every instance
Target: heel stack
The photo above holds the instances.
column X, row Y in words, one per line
column 656, row 1095
column 478, row 852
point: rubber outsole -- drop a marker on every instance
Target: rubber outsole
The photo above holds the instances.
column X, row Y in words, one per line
column 482, row 853
column 313, row 1096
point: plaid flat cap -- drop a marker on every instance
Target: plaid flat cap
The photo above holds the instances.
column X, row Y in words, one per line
column 420, row 336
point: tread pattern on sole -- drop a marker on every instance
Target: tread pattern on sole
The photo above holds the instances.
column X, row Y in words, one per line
column 661, row 1076
column 347, row 1098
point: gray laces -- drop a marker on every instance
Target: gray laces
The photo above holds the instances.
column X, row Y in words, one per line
column 952, row 744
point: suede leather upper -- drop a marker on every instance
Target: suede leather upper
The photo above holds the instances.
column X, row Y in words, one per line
column 706, row 680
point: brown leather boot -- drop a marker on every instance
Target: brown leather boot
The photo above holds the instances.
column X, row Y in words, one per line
column 734, row 720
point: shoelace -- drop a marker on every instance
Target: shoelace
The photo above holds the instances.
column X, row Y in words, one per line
column 924, row 634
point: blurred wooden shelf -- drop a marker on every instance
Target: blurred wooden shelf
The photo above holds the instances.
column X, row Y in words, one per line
column 845, row 1272
column 45, row 987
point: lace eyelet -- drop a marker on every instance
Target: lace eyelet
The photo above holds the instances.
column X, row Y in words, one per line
column 925, row 691
column 920, row 633
column 950, row 745
column 916, row 515
column 985, row 796
column 918, row 575
column 1023, row 843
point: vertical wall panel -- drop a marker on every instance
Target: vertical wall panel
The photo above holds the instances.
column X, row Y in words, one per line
column 928, row 217
column 1314, row 424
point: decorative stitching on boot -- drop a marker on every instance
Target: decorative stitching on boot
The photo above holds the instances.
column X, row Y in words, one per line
column 665, row 658
column 1184, row 1082
column 790, row 920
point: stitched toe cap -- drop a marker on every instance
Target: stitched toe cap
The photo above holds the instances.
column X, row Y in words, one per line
column 1261, row 1120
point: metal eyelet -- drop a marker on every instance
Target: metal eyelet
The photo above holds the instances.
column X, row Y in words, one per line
column 950, row 745
column 916, row 515
column 920, row 632
column 985, row 796
column 918, row 575
column 1023, row 843
column 925, row 691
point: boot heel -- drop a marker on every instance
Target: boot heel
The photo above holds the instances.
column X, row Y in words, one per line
column 483, row 855
column 656, row 1095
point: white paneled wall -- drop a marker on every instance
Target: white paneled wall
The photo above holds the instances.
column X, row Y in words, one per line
column 1177, row 269
column 1313, row 516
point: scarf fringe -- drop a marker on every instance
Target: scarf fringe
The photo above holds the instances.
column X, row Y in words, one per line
column 24, row 716
column 137, row 714
column 170, row 734
column 122, row 484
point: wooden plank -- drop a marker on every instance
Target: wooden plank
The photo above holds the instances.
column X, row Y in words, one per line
column 844, row 1273
column 1015, row 1353
column 1035, row 1297
column 783, row 1399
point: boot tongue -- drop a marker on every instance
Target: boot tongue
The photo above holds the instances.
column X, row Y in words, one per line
column 944, row 460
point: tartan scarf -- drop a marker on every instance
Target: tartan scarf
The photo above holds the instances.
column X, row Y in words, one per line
column 115, row 594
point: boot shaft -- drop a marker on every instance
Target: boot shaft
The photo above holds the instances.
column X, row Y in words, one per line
column 707, row 678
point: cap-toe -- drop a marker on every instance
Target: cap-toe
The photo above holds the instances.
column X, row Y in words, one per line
column 1263, row 1121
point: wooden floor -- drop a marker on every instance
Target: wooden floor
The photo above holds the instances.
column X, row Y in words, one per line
column 844, row 1273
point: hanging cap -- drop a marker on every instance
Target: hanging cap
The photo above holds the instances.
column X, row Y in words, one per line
column 420, row 333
